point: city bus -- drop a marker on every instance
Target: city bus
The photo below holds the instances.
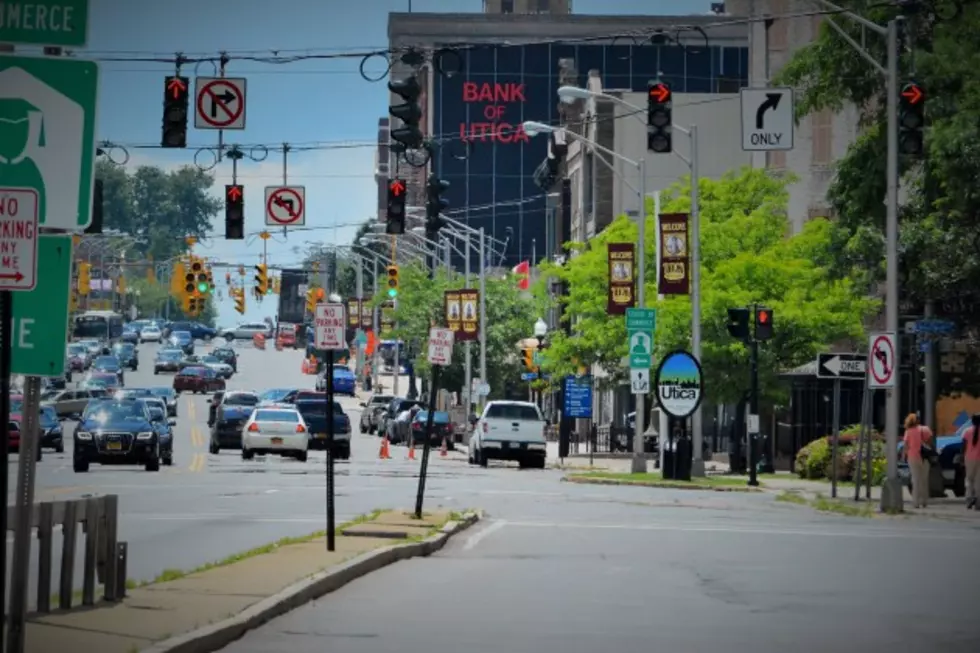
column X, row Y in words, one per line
column 104, row 325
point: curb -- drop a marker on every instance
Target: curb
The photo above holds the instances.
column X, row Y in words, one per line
column 662, row 485
column 218, row 635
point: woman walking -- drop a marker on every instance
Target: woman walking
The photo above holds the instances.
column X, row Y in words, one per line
column 916, row 437
column 971, row 458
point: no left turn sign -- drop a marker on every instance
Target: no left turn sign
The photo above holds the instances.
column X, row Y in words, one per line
column 285, row 206
column 881, row 360
column 220, row 103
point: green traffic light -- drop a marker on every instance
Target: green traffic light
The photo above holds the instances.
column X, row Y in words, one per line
column 203, row 287
column 392, row 293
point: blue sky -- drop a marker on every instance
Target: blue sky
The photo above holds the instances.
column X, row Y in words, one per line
column 318, row 101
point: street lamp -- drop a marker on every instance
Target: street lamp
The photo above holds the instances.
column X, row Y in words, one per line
column 570, row 94
column 532, row 128
column 540, row 329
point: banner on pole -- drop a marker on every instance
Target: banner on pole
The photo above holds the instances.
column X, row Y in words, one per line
column 353, row 313
column 622, row 282
column 454, row 311
column 469, row 301
column 674, row 275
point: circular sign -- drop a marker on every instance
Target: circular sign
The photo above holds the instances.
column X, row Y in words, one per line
column 285, row 201
column 680, row 384
column 226, row 103
column 882, row 360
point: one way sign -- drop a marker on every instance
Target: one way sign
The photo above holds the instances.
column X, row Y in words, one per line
column 842, row 366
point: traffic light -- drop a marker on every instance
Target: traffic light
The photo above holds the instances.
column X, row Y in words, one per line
column 275, row 285
column 396, row 206
column 234, row 212
column 408, row 136
column 311, row 300
column 84, row 278
column 175, row 101
column 392, row 281
column 261, row 279
column 528, row 359
column 738, row 323
column 659, row 118
column 240, row 300
column 200, row 283
column 190, row 278
column 763, row 324
column 911, row 120
column 195, row 305
column 121, row 284
column 435, row 204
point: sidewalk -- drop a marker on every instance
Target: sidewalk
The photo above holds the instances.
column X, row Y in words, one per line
column 620, row 463
column 206, row 610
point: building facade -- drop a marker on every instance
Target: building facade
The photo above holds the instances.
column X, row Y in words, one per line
column 476, row 114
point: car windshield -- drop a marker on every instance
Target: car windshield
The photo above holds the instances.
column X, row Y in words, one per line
column 107, row 362
column 77, row 350
column 381, row 399
column 211, row 360
column 151, row 327
column 440, row 417
column 520, row 412
column 241, row 399
column 170, row 355
column 267, row 415
column 111, row 410
column 405, row 405
column 274, row 395
column 124, row 347
column 132, row 393
column 313, row 407
column 223, row 353
column 166, row 393
column 193, row 371
column 156, row 414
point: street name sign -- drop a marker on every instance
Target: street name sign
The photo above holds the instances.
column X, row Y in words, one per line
column 842, row 366
column 441, row 346
column 18, row 239
column 47, row 134
column 330, row 326
column 767, row 119
column 881, row 360
column 285, row 206
column 61, row 23
column 641, row 324
column 40, row 317
column 219, row 103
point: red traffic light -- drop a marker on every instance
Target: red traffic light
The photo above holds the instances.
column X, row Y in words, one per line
column 765, row 317
column 234, row 192
column 176, row 87
column 659, row 92
column 912, row 93
column 397, row 187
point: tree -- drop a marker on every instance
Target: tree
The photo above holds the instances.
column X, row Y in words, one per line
column 153, row 298
column 746, row 259
column 939, row 236
column 159, row 208
column 510, row 318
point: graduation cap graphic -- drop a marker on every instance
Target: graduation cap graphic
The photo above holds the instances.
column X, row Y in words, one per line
column 21, row 126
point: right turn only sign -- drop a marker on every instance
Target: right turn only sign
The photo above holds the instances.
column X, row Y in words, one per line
column 881, row 360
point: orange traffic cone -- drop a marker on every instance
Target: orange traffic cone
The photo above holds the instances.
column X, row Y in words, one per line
column 444, row 449
column 411, row 450
column 384, row 454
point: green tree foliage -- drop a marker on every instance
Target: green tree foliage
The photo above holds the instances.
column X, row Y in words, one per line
column 510, row 318
column 746, row 258
column 346, row 282
column 159, row 208
column 939, row 235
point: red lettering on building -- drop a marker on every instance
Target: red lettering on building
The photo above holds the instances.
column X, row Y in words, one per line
column 493, row 126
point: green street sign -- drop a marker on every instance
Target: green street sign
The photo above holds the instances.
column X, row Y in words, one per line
column 47, row 134
column 641, row 324
column 44, row 22
column 40, row 324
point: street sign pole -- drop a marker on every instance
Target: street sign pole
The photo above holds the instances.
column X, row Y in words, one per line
column 835, row 444
column 6, row 320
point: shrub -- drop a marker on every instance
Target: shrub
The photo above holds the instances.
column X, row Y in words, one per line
column 811, row 460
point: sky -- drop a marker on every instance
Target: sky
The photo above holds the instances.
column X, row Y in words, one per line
column 321, row 103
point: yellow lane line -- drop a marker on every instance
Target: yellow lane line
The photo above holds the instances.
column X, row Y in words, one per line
column 197, row 463
column 191, row 410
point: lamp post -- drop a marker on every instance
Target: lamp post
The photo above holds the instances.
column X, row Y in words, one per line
column 532, row 128
column 540, row 331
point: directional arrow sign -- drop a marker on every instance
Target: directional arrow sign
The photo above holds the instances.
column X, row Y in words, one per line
column 842, row 366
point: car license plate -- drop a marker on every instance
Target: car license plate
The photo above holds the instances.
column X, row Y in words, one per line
column 114, row 446
column 276, row 440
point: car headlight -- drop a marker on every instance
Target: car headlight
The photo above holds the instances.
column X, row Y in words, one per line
column 145, row 435
column 83, row 435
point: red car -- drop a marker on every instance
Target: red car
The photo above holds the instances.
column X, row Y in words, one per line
column 286, row 336
column 198, row 379
column 13, row 435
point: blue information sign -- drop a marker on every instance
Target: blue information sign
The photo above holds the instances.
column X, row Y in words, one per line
column 578, row 397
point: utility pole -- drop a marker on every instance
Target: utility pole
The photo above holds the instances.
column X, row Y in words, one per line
column 467, row 347
column 639, row 462
column 697, row 464
column 483, row 314
column 750, row 435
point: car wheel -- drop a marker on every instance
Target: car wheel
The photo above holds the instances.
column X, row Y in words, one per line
column 214, row 449
column 168, row 460
column 60, row 448
column 302, row 456
column 247, row 455
column 153, row 465
column 959, row 483
column 79, row 466
column 469, row 458
column 482, row 458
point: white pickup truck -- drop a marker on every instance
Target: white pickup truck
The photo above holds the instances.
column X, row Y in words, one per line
column 509, row 430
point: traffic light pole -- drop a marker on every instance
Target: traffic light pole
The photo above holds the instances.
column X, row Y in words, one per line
column 752, row 438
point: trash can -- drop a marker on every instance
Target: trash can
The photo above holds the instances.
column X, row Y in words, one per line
column 682, row 459
column 669, row 467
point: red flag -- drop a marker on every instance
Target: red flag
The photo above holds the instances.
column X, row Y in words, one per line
column 523, row 271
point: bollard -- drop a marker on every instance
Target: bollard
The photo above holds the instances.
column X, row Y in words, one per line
column 121, row 551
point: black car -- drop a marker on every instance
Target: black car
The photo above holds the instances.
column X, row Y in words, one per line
column 127, row 354
column 110, row 365
column 52, row 435
column 196, row 330
column 168, row 360
column 314, row 412
column 163, row 426
column 169, row 398
column 228, row 356
column 115, row 432
column 182, row 340
column 229, row 420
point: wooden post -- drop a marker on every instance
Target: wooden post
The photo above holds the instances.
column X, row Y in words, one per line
column 69, row 537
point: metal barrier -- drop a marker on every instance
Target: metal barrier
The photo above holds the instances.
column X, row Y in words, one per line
column 104, row 557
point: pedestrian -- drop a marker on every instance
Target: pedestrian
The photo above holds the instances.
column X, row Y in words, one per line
column 971, row 458
column 917, row 441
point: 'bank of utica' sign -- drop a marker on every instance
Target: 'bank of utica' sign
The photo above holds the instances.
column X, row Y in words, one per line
column 491, row 123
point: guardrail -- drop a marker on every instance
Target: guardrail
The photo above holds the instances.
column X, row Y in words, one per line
column 104, row 559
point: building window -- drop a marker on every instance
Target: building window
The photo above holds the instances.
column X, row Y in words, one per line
column 779, row 32
column 821, row 130
column 506, row 6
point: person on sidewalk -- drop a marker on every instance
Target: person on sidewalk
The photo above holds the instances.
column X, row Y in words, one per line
column 916, row 438
column 971, row 459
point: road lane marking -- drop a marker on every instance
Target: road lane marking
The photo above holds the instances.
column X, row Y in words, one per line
column 197, row 462
column 477, row 537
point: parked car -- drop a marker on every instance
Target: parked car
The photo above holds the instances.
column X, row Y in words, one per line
column 396, row 407
column 116, row 433
column 370, row 412
column 14, row 435
column 949, row 449
column 398, row 429
column 442, row 428
column 198, row 379
column 276, row 430
column 229, row 418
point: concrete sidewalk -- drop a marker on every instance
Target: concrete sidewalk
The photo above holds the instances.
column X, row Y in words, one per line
column 154, row 614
